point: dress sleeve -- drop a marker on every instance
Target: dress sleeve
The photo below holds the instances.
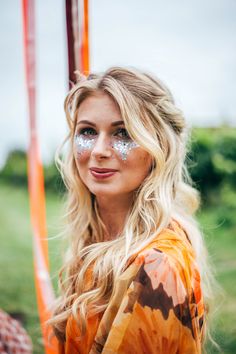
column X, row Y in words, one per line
column 162, row 311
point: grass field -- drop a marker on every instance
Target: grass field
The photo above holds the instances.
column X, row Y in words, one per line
column 17, row 293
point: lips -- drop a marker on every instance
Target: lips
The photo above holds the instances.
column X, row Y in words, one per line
column 102, row 170
column 101, row 173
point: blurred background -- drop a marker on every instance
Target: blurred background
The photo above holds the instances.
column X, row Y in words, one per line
column 188, row 44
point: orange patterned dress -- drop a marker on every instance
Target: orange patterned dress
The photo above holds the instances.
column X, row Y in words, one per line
column 157, row 306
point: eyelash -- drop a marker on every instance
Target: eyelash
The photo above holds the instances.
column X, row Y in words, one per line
column 84, row 131
column 91, row 132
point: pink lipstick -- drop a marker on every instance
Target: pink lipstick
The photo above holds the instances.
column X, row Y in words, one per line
column 102, row 173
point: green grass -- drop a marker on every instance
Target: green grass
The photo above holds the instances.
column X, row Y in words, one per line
column 17, row 293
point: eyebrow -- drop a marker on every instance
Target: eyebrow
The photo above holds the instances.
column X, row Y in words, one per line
column 114, row 124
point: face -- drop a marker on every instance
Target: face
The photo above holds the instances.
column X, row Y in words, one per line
column 108, row 161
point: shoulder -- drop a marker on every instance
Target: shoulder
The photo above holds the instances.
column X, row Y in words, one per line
column 161, row 281
column 171, row 248
column 168, row 270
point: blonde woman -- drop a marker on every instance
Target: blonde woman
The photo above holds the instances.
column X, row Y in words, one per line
column 132, row 281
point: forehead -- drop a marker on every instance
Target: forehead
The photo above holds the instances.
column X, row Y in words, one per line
column 99, row 107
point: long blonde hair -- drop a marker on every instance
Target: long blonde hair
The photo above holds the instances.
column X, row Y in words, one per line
column 158, row 126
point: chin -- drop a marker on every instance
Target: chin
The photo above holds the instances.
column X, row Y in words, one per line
column 109, row 191
column 104, row 192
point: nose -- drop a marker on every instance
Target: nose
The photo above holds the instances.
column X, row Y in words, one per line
column 102, row 147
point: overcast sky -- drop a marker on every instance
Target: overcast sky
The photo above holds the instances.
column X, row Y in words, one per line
column 189, row 44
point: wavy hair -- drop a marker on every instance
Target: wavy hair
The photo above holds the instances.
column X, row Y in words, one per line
column 158, row 126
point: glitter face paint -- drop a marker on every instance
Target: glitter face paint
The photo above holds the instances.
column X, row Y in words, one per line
column 121, row 146
column 84, row 144
column 124, row 147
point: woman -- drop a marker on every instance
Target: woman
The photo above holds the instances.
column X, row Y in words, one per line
column 132, row 280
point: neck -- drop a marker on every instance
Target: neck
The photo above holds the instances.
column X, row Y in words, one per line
column 113, row 212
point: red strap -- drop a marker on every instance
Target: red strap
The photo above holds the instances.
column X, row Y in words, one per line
column 77, row 38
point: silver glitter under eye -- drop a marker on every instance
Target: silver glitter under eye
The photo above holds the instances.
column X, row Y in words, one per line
column 84, row 144
column 124, row 147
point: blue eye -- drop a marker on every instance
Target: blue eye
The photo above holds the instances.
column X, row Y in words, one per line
column 87, row 131
column 122, row 133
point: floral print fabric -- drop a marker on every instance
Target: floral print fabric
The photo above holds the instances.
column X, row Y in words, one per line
column 157, row 306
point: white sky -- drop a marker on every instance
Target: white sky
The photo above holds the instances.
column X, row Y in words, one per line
column 189, row 44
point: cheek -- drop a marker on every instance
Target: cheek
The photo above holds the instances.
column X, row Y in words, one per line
column 139, row 164
column 82, row 148
column 81, row 158
column 81, row 163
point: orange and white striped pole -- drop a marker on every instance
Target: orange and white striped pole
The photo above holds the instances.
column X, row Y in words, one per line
column 44, row 290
